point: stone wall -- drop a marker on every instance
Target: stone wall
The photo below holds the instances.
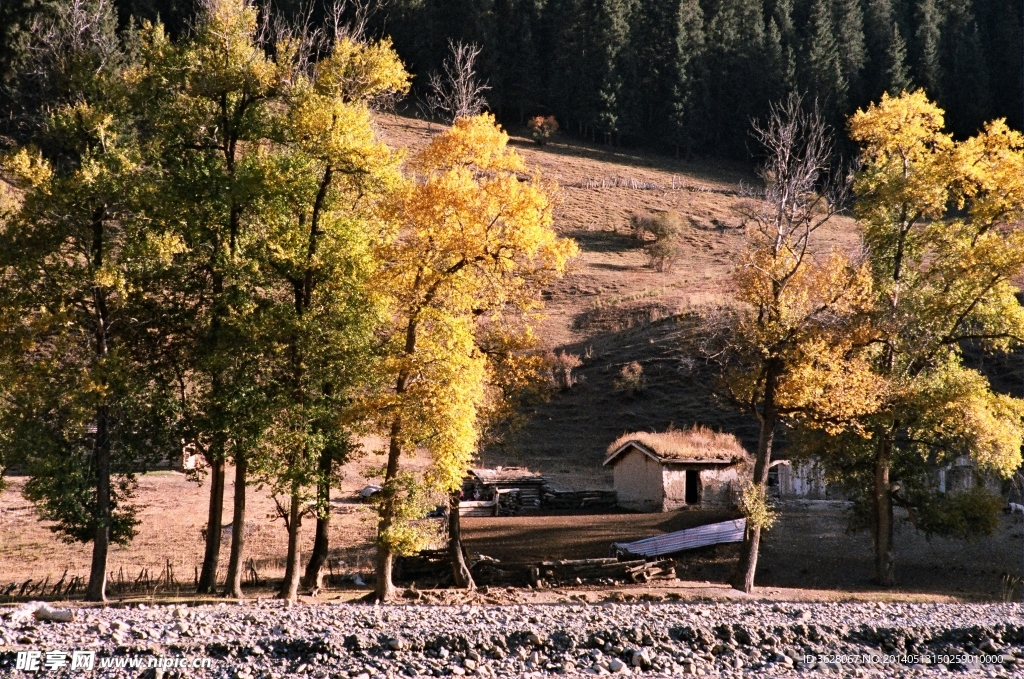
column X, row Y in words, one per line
column 638, row 482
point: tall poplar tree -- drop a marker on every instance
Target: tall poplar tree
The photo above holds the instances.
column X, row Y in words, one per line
column 791, row 300
column 941, row 278
column 473, row 249
column 88, row 404
column 315, row 251
column 211, row 99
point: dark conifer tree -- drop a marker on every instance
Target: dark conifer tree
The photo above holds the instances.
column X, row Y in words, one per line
column 735, row 89
column 965, row 87
column 685, row 124
column 823, row 72
column 563, row 44
column 852, row 49
column 512, row 60
column 928, row 35
column 886, row 50
column 779, row 63
column 781, row 12
column 664, row 38
column 895, row 73
column 1000, row 25
column 609, row 39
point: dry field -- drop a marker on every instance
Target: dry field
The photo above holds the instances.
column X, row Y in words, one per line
column 610, row 310
column 807, row 556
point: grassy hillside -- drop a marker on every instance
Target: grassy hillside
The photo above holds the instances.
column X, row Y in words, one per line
column 613, row 308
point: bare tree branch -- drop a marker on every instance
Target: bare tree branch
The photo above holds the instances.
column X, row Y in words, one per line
column 800, row 192
column 456, row 92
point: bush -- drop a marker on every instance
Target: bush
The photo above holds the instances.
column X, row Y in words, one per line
column 667, row 228
column 966, row 515
column 664, row 253
column 661, row 225
column 639, row 224
column 541, row 128
column 631, row 379
column 755, row 506
column 561, row 365
column 666, row 225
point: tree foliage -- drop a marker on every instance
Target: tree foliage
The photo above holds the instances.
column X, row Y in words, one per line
column 87, row 398
column 473, row 248
column 943, row 258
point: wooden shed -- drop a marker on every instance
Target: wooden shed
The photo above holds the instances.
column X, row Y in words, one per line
column 661, row 472
column 501, row 491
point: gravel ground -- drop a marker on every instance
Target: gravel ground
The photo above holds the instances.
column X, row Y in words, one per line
column 266, row 639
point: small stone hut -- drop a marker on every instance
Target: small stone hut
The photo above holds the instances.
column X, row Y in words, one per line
column 662, row 472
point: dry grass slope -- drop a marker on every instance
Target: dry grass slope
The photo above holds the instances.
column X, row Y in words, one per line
column 614, row 308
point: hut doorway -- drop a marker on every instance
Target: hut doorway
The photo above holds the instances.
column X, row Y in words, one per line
column 692, row 487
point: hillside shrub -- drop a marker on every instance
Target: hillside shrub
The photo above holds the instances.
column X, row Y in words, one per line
column 666, row 228
column 631, row 379
column 541, row 128
column 561, row 365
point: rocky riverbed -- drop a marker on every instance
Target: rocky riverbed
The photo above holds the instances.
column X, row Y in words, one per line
column 267, row 639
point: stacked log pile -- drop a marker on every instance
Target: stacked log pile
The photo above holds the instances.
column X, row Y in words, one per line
column 523, row 488
column 577, row 499
column 603, row 571
column 434, row 565
column 478, row 508
column 488, row 571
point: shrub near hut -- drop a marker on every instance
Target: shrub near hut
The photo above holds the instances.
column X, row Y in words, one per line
column 690, row 468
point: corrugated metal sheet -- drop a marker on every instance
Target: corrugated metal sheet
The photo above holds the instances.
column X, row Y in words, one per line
column 691, row 538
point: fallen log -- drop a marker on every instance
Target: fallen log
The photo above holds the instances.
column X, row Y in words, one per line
column 433, row 564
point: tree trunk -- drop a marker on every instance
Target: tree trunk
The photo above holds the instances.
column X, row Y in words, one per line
column 290, row 584
column 743, row 579
column 463, row 578
column 97, row 590
column 743, row 576
column 882, row 525
column 233, row 584
column 318, row 559
column 214, row 526
column 384, row 589
column 385, row 559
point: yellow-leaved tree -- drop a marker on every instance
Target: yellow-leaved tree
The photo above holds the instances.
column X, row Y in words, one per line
column 791, row 348
column 938, row 219
column 327, row 173
column 472, row 250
